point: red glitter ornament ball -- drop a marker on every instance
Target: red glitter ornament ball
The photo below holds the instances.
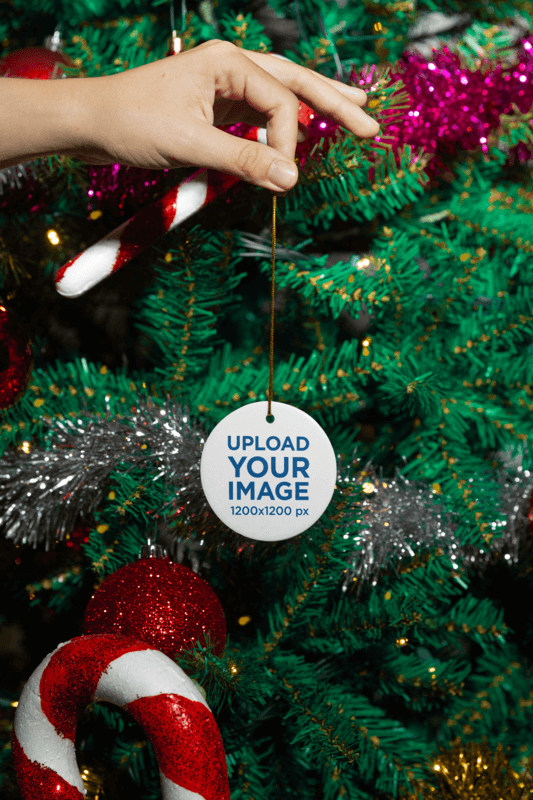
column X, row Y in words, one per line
column 158, row 602
column 34, row 62
column 15, row 358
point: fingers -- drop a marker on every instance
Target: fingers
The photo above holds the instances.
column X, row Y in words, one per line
column 331, row 98
column 250, row 161
column 353, row 93
column 228, row 112
column 242, row 80
column 269, row 87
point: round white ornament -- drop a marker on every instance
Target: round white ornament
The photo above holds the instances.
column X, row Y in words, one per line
column 268, row 480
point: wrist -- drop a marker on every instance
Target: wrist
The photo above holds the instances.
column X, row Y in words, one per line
column 76, row 115
column 41, row 118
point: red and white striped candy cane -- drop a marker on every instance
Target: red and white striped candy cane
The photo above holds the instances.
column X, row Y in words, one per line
column 108, row 255
column 112, row 252
column 140, row 679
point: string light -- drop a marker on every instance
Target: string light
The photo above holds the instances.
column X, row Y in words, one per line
column 368, row 488
column 53, row 238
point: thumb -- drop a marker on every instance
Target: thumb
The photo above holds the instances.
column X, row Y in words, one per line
column 248, row 160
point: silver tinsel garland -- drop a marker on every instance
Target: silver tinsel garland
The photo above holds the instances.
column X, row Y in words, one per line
column 15, row 176
column 397, row 519
column 513, row 537
column 45, row 493
column 402, row 518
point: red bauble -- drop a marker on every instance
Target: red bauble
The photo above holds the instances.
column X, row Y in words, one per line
column 158, row 602
column 15, row 358
column 34, row 62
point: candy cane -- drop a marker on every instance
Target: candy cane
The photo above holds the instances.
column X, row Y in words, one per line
column 140, row 679
column 112, row 252
column 108, row 255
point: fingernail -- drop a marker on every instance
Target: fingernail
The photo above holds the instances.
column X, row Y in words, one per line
column 354, row 91
column 283, row 174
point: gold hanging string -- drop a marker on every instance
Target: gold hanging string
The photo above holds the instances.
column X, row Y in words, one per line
column 272, row 298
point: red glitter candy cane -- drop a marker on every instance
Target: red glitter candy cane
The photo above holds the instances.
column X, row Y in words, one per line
column 136, row 677
column 116, row 249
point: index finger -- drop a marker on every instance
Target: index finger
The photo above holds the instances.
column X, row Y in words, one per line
column 353, row 93
column 332, row 98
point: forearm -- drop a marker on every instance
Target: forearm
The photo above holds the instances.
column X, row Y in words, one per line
column 39, row 118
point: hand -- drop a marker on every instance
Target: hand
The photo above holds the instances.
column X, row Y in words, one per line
column 163, row 114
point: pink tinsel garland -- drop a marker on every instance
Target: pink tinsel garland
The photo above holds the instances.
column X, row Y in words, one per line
column 453, row 108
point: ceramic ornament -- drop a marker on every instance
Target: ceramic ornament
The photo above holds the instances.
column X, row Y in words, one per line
column 268, row 480
column 136, row 677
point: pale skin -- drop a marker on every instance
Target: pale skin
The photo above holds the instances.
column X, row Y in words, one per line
column 162, row 115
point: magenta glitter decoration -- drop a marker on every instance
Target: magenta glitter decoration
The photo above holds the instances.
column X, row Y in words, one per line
column 159, row 602
column 454, row 108
column 123, row 188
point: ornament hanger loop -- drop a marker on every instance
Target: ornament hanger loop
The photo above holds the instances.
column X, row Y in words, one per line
column 151, row 549
column 175, row 42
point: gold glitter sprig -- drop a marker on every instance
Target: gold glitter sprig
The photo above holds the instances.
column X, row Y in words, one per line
column 474, row 772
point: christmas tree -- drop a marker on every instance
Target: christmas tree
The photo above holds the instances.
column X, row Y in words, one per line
column 386, row 651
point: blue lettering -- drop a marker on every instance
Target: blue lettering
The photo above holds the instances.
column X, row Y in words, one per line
column 273, row 461
column 257, row 444
column 303, row 468
column 301, row 491
column 243, row 490
column 236, row 446
column 287, row 444
column 239, row 465
column 247, row 441
column 302, row 439
column 264, row 467
column 287, row 494
column 231, row 490
column 265, row 491
column 270, row 439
